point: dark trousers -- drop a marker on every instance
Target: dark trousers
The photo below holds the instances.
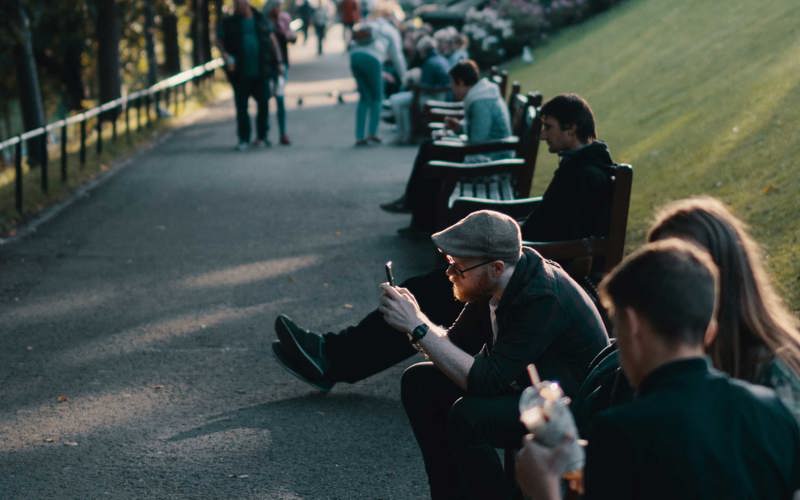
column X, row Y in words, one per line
column 458, row 434
column 320, row 29
column 243, row 90
column 372, row 346
column 422, row 191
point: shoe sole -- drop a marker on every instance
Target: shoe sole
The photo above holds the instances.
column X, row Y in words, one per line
column 276, row 352
column 280, row 325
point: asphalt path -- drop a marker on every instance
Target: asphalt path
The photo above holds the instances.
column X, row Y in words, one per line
column 135, row 326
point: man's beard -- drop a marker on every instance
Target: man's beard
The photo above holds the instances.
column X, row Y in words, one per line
column 481, row 291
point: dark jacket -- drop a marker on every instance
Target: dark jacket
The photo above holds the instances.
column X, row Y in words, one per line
column 435, row 72
column 543, row 317
column 229, row 33
column 694, row 433
column 577, row 202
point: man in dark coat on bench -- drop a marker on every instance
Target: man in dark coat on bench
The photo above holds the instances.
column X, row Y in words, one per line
column 575, row 205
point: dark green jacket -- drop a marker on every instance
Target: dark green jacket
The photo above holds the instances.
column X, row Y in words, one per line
column 543, row 317
column 229, row 33
column 694, row 433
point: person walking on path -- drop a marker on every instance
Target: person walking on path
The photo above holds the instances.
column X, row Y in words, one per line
column 280, row 22
column 349, row 14
column 305, row 11
column 367, row 53
column 252, row 57
column 321, row 18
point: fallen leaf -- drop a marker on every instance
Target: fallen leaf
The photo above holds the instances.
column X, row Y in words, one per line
column 348, row 306
column 49, row 440
column 29, row 348
column 62, row 398
column 243, row 476
column 70, row 443
column 158, row 387
column 769, row 188
column 338, row 233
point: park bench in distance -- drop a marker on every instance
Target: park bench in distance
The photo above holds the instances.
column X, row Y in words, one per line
column 435, row 111
column 502, row 180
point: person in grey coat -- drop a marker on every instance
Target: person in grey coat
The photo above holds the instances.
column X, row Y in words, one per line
column 485, row 119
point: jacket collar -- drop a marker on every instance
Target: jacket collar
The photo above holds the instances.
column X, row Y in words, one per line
column 675, row 373
column 529, row 264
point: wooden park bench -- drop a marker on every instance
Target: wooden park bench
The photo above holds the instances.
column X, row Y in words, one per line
column 501, row 180
column 590, row 257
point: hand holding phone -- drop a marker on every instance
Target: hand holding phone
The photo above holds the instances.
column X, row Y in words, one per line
column 389, row 274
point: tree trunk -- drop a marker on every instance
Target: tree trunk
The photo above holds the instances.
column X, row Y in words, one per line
column 30, row 94
column 201, row 39
column 71, row 73
column 172, row 51
column 150, row 42
column 109, row 32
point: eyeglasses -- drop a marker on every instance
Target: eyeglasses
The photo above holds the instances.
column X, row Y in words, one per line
column 460, row 272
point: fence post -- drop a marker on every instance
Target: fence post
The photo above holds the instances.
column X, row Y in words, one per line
column 157, row 104
column 114, row 126
column 64, row 152
column 99, row 134
column 127, row 121
column 18, row 176
column 138, row 114
column 83, row 141
column 43, row 147
column 147, row 110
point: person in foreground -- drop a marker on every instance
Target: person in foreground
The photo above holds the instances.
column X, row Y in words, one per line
column 691, row 431
column 575, row 205
column 520, row 309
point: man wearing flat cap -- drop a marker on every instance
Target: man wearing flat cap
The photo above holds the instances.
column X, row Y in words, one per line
column 520, row 309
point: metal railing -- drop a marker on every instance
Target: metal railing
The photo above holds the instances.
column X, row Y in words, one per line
column 147, row 104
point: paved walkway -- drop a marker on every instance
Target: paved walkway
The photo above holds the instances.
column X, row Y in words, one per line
column 135, row 327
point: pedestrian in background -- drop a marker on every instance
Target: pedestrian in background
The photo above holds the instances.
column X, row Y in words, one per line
column 349, row 14
column 305, row 11
column 322, row 16
column 281, row 26
column 252, row 57
column 367, row 53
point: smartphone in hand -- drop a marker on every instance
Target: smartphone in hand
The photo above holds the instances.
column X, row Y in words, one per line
column 389, row 274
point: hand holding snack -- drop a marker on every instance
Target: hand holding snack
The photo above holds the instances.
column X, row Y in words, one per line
column 544, row 411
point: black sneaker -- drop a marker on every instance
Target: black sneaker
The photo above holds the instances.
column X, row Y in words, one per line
column 397, row 206
column 307, row 347
column 300, row 369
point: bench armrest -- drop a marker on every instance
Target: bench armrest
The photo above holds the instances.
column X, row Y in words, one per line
column 435, row 103
column 455, row 170
column 516, row 209
column 509, row 143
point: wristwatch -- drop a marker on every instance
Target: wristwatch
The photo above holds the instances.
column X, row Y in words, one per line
column 417, row 333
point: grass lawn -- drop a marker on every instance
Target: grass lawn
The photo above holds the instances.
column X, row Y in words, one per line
column 701, row 98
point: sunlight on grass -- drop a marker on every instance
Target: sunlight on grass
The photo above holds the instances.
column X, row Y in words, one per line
column 700, row 97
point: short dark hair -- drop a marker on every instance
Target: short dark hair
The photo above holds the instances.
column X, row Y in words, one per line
column 672, row 283
column 572, row 109
column 465, row 71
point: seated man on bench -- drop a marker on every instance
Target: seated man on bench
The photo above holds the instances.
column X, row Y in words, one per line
column 575, row 205
column 485, row 119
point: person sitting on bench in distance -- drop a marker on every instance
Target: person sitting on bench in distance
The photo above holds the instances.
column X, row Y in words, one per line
column 520, row 309
column 575, row 205
column 691, row 431
column 485, row 119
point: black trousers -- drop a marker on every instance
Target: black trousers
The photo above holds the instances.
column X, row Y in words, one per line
column 421, row 191
column 458, row 434
column 243, row 90
column 372, row 346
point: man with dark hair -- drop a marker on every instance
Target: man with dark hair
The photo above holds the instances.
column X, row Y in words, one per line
column 691, row 432
column 371, row 346
column 485, row 119
column 252, row 57
column 520, row 309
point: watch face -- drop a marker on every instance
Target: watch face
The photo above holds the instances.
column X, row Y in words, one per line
column 419, row 331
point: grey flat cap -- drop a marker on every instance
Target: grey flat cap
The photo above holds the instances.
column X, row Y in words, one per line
column 485, row 233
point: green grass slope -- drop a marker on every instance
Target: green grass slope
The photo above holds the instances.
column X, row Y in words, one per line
column 701, row 97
